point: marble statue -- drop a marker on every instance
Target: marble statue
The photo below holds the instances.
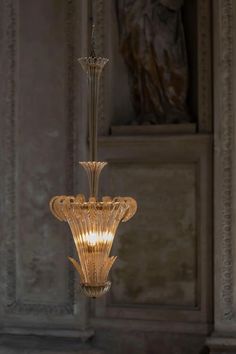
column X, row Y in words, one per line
column 153, row 46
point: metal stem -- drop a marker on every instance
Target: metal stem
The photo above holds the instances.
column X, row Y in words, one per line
column 93, row 67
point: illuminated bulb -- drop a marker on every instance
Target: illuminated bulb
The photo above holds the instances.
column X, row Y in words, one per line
column 94, row 238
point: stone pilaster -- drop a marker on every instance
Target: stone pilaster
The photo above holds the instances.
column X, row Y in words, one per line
column 224, row 336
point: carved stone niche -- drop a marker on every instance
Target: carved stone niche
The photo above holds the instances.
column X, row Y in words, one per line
column 115, row 106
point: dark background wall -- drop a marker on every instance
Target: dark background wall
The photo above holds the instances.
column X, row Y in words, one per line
column 161, row 297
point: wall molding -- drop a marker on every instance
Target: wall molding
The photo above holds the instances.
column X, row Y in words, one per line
column 224, row 147
column 157, row 151
column 14, row 305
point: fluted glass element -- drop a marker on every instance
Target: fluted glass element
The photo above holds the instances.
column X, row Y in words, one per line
column 93, row 224
column 93, row 170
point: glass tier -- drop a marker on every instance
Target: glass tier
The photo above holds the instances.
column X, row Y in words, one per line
column 93, row 224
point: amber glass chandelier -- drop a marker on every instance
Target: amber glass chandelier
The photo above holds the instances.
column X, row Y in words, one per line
column 93, row 222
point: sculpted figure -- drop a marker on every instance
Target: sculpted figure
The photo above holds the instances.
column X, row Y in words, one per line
column 153, row 46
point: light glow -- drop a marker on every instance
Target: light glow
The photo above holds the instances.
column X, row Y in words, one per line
column 95, row 238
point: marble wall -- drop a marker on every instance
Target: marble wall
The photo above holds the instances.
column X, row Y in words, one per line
column 39, row 294
column 161, row 300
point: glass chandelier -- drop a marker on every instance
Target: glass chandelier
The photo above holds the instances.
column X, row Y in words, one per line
column 93, row 222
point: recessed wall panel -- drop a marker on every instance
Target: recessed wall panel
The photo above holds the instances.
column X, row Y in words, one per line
column 157, row 248
column 42, row 153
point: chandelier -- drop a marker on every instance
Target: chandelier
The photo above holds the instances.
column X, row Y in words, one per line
column 93, row 222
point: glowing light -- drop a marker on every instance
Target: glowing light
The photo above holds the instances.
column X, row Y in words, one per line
column 94, row 238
